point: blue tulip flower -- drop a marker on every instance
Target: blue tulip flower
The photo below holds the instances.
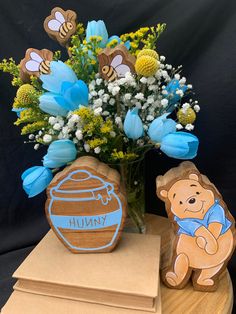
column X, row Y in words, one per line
column 36, row 179
column 171, row 89
column 59, row 153
column 66, row 92
column 18, row 111
column 160, row 127
column 98, row 28
column 49, row 105
column 133, row 126
column 180, row 145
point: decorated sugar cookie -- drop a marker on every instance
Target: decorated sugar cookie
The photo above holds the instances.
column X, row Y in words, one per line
column 35, row 62
column 86, row 207
column 204, row 228
column 115, row 62
column 61, row 25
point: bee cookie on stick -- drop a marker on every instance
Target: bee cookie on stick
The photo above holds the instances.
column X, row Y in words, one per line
column 204, row 228
column 35, row 62
column 61, row 25
column 114, row 63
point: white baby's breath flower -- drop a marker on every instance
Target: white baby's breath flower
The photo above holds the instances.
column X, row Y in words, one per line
column 47, row 138
column 151, row 80
column 168, row 66
column 196, row 108
column 105, row 113
column 153, row 87
column 112, row 101
column 98, row 111
column 185, row 107
column 31, row 136
column 177, row 76
column 164, row 92
column 113, row 134
column 74, row 118
column 36, row 146
column 105, row 97
column 138, row 105
column 57, row 126
column 93, row 93
column 127, row 96
column 100, row 92
column 97, row 150
column 180, row 92
column 164, row 102
column 115, row 90
column 189, row 86
column 97, row 102
column 162, row 58
column 122, row 81
column 52, row 120
column 87, row 148
column 79, row 134
column 118, row 120
column 179, row 126
column 139, row 96
column 98, row 81
column 150, row 118
column 182, row 81
column 189, row 127
column 143, row 80
column 150, row 99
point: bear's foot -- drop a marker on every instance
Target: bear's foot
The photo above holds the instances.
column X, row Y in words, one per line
column 172, row 279
column 205, row 282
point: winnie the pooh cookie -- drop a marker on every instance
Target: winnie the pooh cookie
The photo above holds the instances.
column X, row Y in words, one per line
column 204, row 228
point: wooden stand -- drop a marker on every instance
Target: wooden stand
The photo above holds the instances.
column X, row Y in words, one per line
column 188, row 300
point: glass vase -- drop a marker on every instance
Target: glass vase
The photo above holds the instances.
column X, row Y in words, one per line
column 132, row 178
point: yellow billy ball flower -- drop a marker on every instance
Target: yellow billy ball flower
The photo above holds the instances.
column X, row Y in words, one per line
column 148, row 52
column 23, row 94
column 187, row 116
column 146, row 66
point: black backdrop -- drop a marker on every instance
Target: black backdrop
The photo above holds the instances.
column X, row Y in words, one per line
column 200, row 35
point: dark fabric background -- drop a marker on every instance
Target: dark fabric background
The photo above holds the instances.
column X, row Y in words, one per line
column 200, row 35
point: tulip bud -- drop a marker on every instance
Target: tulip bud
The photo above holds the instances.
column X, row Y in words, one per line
column 133, row 125
column 160, row 127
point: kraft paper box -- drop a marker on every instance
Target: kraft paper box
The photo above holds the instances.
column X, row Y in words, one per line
column 128, row 277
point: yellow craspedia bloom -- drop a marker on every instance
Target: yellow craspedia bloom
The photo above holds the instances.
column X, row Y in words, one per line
column 146, row 66
column 148, row 52
column 187, row 116
column 23, row 94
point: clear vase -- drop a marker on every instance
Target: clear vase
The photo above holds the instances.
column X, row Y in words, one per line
column 132, row 177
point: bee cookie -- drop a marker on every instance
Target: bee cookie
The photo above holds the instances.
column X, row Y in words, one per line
column 114, row 63
column 61, row 25
column 35, row 62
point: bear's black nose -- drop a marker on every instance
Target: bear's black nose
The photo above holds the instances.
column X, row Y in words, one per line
column 192, row 200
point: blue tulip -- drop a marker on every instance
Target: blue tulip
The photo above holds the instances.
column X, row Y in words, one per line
column 171, row 89
column 97, row 28
column 59, row 153
column 18, row 111
column 160, row 127
column 180, row 145
column 48, row 104
column 67, row 93
column 36, row 179
column 133, row 125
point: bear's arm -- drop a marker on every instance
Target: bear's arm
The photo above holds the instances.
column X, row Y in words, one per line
column 215, row 229
column 216, row 221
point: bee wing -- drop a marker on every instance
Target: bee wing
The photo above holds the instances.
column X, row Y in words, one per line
column 54, row 25
column 122, row 69
column 36, row 57
column 32, row 66
column 59, row 16
column 116, row 61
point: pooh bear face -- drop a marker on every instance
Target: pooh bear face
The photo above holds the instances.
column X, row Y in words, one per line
column 188, row 198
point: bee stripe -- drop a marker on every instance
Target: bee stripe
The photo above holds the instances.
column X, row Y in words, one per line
column 110, row 72
column 113, row 76
column 45, row 66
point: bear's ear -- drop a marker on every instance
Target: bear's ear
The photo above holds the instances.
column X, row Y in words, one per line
column 163, row 193
column 193, row 176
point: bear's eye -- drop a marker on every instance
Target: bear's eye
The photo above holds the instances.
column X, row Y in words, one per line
column 197, row 193
column 181, row 203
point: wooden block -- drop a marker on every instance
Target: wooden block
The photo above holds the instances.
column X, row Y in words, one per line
column 60, row 25
column 204, row 228
column 35, row 62
column 115, row 62
column 85, row 206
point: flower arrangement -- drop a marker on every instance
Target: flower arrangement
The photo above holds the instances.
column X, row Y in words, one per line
column 114, row 98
